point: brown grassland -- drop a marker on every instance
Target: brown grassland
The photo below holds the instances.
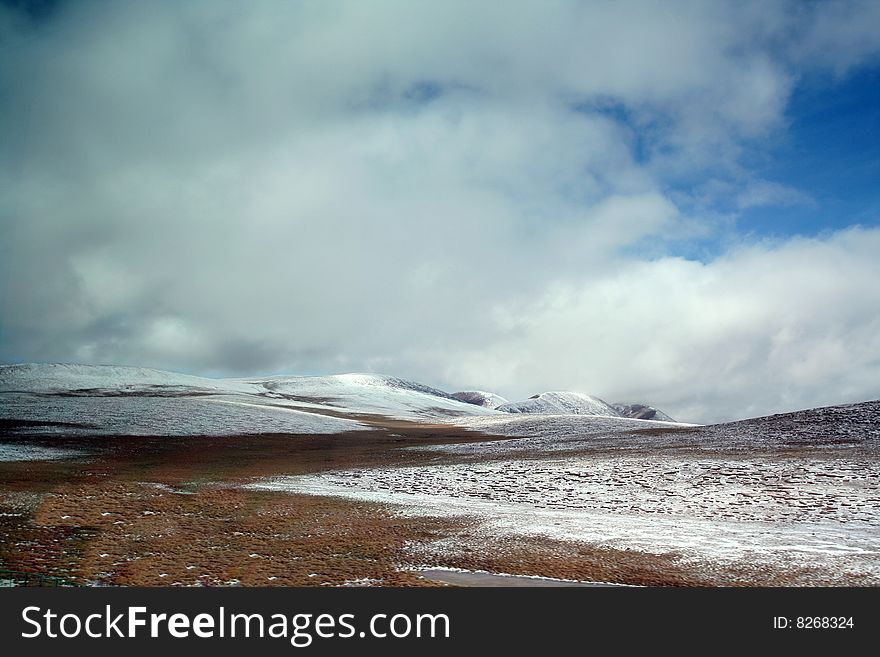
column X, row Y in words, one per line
column 171, row 512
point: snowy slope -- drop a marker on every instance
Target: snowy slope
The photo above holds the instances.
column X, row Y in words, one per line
column 96, row 379
column 151, row 415
column 561, row 403
column 308, row 403
column 845, row 425
column 348, row 394
column 551, row 433
column 371, row 394
column 480, row 398
column 848, row 426
column 101, row 399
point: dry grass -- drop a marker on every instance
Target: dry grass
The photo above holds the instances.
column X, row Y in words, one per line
column 169, row 511
column 149, row 512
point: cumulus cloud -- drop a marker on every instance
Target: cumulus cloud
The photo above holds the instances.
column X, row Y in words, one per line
column 765, row 328
column 446, row 191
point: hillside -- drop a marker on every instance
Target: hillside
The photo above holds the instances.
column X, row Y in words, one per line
column 561, row 403
column 112, row 399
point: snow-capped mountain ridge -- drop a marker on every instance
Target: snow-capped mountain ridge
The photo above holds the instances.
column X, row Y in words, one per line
column 350, row 379
column 351, row 394
column 316, row 399
column 641, row 412
column 480, row 398
column 371, row 394
column 561, row 403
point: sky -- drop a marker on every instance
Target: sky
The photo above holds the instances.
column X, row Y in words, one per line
column 674, row 203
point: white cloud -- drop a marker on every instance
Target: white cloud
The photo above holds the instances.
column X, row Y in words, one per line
column 416, row 187
column 764, row 329
column 838, row 35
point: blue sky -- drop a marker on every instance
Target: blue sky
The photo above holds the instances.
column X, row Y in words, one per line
column 672, row 203
column 830, row 151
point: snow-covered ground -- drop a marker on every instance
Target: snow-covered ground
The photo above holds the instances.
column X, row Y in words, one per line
column 795, row 490
column 808, row 511
column 26, row 452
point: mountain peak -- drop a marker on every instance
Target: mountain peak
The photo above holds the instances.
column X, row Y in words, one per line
column 641, row 412
column 480, row 398
column 561, row 403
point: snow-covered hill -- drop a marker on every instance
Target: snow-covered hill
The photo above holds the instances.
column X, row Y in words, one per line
column 561, row 403
column 370, row 394
column 111, row 399
column 480, row 398
column 844, row 425
column 641, row 412
column 576, row 403
column 848, row 426
column 54, row 377
column 129, row 400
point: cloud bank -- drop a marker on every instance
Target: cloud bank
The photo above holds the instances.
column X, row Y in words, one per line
column 493, row 195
